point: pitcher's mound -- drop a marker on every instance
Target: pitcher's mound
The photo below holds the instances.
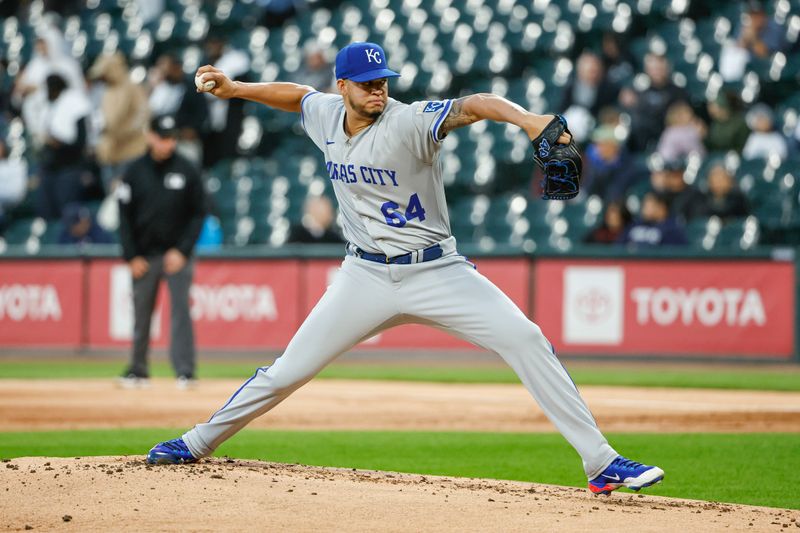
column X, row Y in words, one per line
column 125, row 494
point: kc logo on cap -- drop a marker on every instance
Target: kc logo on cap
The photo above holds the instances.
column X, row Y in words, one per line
column 361, row 62
column 373, row 55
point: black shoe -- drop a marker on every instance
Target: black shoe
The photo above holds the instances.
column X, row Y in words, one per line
column 186, row 382
column 133, row 380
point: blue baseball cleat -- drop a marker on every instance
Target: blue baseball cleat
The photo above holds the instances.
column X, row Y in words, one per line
column 625, row 473
column 171, row 452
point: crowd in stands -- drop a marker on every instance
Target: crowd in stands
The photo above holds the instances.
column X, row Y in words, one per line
column 84, row 126
column 656, row 149
column 662, row 121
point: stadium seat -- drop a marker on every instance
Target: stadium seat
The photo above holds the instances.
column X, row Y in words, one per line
column 739, row 234
column 18, row 232
column 714, row 233
column 579, row 219
column 696, row 232
column 51, row 233
column 773, row 208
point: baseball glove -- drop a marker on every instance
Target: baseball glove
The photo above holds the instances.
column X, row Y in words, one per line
column 560, row 163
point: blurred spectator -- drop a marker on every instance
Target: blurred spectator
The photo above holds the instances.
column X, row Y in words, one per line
column 617, row 59
column 316, row 226
column 277, row 12
column 728, row 129
column 609, row 169
column 80, row 227
column 124, row 113
column 648, row 107
column 63, row 159
column 589, row 88
column 685, row 201
column 149, row 10
column 759, row 37
column 656, row 226
column 210, row 235
column 616, row 218
column 225, row 116
column 724, row 199
column 173, row 93
column 13, row 182
column 51, row 56
column 684, row 133
column 609, row 116
column 585, row 94
column 764, row 140
column 316, row 70
column 759, row 34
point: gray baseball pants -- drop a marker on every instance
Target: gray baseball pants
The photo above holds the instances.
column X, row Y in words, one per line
column 145, row 292
column 366, row 298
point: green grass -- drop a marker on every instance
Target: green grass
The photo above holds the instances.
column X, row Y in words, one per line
column 784, row 379
column 756, row 469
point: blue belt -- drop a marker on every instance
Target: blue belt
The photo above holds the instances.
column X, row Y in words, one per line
column 428, row 254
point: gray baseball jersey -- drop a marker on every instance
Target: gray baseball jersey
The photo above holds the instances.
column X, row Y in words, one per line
column 389, row 186
column 387, row 178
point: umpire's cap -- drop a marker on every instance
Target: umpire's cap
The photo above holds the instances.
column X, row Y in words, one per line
column 164, row 126
column 362, row 62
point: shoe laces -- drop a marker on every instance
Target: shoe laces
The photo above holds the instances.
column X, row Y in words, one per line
column 175, row 444
column 626, row 463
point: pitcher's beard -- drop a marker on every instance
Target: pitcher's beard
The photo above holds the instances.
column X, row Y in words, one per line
column 362, row 110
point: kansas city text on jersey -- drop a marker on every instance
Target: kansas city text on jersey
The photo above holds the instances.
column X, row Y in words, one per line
column 351, row 173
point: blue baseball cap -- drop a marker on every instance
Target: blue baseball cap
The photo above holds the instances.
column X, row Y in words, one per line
column 362, row 62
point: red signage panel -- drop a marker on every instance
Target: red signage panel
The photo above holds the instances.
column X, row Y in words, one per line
column 245, row 304
column 735, row 308
column 250, row 304
column 41, row 303
column 111, row 307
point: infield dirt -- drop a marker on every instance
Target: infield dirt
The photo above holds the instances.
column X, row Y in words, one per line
column 29, row 405
column 125, row 494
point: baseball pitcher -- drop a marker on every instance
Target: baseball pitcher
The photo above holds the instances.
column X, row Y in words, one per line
column 402, row 264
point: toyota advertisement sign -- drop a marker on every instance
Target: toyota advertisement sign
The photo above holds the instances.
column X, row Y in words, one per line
column 743, row 308
column 41, row 304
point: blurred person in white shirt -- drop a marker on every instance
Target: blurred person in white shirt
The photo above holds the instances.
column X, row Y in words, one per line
column 763, row 140
column 51, row 56
column 226, row 117
column 63, row 156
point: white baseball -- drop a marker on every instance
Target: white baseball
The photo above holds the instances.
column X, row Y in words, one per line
column 207, row 86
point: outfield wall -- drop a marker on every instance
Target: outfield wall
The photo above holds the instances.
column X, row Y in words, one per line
column 591, row 306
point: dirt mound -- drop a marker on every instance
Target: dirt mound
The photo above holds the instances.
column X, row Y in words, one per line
column 125, row 494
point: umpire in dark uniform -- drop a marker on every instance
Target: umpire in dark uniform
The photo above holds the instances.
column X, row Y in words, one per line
column 162, row 206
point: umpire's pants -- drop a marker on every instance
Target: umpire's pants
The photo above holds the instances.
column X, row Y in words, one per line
column 145, row 291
